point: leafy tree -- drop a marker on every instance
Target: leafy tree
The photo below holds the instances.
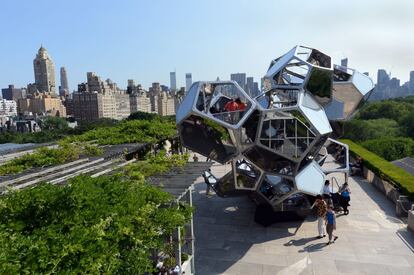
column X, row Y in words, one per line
column 391, row 148
column 142, row 116
column 54, row 123
column 407, row 122
column 361, row 130
column 385, row 109
column 108, row 224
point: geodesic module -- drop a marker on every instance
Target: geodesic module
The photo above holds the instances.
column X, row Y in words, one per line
column 273, row 139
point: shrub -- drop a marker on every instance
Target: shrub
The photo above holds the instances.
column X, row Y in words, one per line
column 391, row 148
column 361, row 130
column 384, row 169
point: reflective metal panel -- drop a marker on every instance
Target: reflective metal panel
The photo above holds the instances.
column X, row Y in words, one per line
column 320, row 85
column 247, row 175
column 270, row 162
column 274, row 187
column 186, row 106
column 314, row 114
column 310, row 179
column 207, row 138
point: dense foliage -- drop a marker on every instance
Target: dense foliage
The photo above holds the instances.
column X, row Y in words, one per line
column 45, row 156
column 385, row 127
column 129, row 131
column 384, row 169
column 54, row 128
column 103, row 225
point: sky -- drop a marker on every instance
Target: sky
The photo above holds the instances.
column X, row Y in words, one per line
column 145, row 40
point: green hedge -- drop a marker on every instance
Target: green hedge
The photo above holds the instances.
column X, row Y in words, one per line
column 384, row 169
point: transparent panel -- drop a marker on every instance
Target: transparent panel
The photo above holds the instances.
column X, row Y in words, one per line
column 278, row 98
column 310, row 179
column 246, row 174
column 288, row 137
column 207, row 138
column 320, row 85
column 269, row 161
column 274, row 187
column 229, row 103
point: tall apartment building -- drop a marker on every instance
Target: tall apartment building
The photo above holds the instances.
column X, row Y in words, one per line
column 138, row 98
column 154, row 91
column 44, row 72
column 12, row 93
column 97, row 99
column 240, row 78
column 173, row 81
column 250, row 86
column 188, row 81
column 166, row 104
column 41, row 103
column 64, row 85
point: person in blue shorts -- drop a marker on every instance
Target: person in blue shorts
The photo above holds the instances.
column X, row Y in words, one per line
column 330, row 224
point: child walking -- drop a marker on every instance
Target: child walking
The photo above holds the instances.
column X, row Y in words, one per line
column 330, row 224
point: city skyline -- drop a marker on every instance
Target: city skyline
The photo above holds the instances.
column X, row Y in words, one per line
column 167, row 37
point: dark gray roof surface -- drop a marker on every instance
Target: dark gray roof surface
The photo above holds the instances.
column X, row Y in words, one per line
column 406, row 163
column 178, row 180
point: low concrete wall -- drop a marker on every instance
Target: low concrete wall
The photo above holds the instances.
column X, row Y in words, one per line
column 385, row 187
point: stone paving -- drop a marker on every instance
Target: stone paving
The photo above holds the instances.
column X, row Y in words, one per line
column 371, row 239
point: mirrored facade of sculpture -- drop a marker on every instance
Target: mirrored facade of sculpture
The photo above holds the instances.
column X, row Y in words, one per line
column 274, row 141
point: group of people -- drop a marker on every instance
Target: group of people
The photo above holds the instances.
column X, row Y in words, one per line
column 235, row 105
column 325, row 209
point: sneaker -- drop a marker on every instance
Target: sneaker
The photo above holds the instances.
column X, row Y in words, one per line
column 319, row 237
column 324, row 236
column 328, row 243
column 336, row 237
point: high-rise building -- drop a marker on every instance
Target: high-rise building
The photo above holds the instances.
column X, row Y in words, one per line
column 411, row 81
column 64, row 85
column 382, row 77
column 97, row 99
column 250, row 86
column 188, row 81
column 344, row 62
column 12, row 93
column 44, row 71
column 240, row 78
column 256, row 89
column 166, row 104
column 173, row 81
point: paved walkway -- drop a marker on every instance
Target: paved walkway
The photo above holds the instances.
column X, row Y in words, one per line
column 371, row 240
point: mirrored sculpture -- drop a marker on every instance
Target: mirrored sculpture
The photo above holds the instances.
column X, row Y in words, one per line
column 274, row 141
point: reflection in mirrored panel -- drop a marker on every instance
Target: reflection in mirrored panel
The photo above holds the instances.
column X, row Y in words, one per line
column 313, row 152
column 315, row 114
column 310, row 179
column 187, row 104
column 349, row 95
column 207, row 138
column 293, row 73
column 314, row 57
column 247, row 175
column 269, row 161
column 246, row 135
column 296, row 202
column 320, row 85
column 274, row 187
column 278, row 98
column 286, row 136
column 342, row 73
column 225, row 187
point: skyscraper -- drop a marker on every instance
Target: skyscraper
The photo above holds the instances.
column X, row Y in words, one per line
column 411, row 81
column 188, row 81
column 240, row 78
column 250, row 86
column 344, row 62
column 173, row 81
column 64, row 86
column 44, row 71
